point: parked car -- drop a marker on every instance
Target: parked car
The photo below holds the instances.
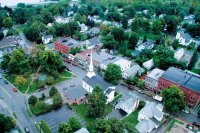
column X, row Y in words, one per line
column 6, row 82
column 74, row 64
column 141, row 91
column 185, row 111
column 0, row 77
column 158, row 98
column 14, row 89
column 26, row 129
column 68, row 69
column 131, row 87
column 1, row 97
column 196, row 124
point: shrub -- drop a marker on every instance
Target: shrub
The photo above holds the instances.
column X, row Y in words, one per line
column 43, row 96
column 32, row 100
column 40, row 84
column 50, row 80
column 45, row 127
column 41, row 105
column 57, row 99
column 53, row 91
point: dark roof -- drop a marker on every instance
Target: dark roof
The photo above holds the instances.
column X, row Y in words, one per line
column 70, row 42
column 8, row 41
column 147, row 43
column 97, row 80
column 75, row 92
column 136, row 53
column 94, row 41
column 155, row 120
column 182, row 78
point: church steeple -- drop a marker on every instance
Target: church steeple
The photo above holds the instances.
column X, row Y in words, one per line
column 91, row 72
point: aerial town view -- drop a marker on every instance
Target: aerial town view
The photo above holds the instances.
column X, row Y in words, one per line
column 99, row 66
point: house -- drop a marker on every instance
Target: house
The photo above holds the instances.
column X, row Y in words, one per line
column 99, row 57
column 91, row 80
column 74, row 3
column 47, row 39
column 64, row 44
column 183, row 55
column 135, row 69
column 92, row 42
column 149, row 117
column 83, row 27
column 4, row 30
column 122, row 63
column 93, row 32
column 62, row 20
column 144, row 45
column 82, row 130
column 189, row 83
column 136, row 53
column 128, row 106
column 152, row 78
column 189, row 19
column 75, row 95
column 148, row 64
column 184, row 38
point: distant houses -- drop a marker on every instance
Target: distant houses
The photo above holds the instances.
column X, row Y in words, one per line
column 133, row 71
column 184, row 38
column 47, row 39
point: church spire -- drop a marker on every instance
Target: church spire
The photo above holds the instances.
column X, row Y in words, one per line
column 91, row 72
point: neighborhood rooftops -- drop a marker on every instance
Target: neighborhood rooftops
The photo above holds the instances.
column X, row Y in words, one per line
column 101, row 56
column 97, row 80
column 128, row 104
column 182, row 78
column 8, row 41
column 145, row 126
column 134, row 70
column 155, row 73
column 70, row 42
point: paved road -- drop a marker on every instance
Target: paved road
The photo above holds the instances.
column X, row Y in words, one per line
column 16, row 103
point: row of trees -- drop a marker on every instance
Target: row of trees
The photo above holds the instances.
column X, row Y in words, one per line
column 70, row 127
column 6, row 123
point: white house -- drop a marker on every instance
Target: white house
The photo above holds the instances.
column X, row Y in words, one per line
column 149, row 117
column 47, row 39
column 91, row 80
column 135, row 69
column 122, row 63
column 129, row 105
column 84, row 28
column 92, row 42
column 4, row 30
column 184, row 38
column 144, row 45
column 62, row 20
column 179, row 54
column 148, row 64
column 151, row 80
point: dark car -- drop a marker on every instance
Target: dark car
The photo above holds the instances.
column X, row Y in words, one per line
column 6, row 82
column 74, row 64
column 131, row 87
column 140, row 91
column 196, row 124
column 26, row 130
column 68, row 69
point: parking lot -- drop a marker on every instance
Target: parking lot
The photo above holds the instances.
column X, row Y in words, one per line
column 57, row 116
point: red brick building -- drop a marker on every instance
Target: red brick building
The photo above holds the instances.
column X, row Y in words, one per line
column 64, row 45
column 190, row 84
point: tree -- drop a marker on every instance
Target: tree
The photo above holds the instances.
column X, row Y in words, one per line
column 65, row 128
column 74, row 50
column 50, row 80
column 109, row 42
column 33, row 31
column 140, row 84
column 5, row 61
column 47, row 16
column 18, row 15
column 74, row 123
column 104, row 29
column 173, row 98
column 175, row 44
column 8, row 22
column 118, row 34
column 172, row 22
column 6, row 123
column 1, row 36
column 32, row 100
column 133, row 40
column 124, row 21
column 53, row 91
column 96, row 102
column 113, row 74
column 158, row 26
column 20, row 80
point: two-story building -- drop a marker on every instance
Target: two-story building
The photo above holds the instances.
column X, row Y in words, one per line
column 189, row 83
column 152, row 78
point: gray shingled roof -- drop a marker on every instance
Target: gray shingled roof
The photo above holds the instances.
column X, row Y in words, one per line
column 94, row 41
column 182, row 78
column 129, row 103
column 82, row 130
column 97, row 80
column 133, row 70
column 145, row 126
column 102, row 56
column 75, row 92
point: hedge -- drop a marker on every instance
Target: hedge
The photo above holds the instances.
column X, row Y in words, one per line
column 45, row 127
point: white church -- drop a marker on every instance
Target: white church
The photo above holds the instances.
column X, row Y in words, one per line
column 92, row 80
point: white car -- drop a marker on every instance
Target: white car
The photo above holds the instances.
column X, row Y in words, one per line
column 185, row 111
column 158, row 98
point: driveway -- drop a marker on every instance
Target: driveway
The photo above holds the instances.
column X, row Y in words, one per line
column 57, row 116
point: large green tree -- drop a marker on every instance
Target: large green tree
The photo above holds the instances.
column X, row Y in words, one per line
column 113, row 74
column 8, row 22
column 65, row 128
column 133, row 40
column 6, row 123
column 173, row 98
column 96, row 102
column 74, row 123
column 109, row 42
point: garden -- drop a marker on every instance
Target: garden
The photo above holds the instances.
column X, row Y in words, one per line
column 45, row 103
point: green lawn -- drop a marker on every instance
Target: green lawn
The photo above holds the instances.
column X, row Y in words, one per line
column 64, row 76
column 82, row 110
column 132, row 120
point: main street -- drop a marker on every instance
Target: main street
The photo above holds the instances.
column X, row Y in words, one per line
column 15, row 102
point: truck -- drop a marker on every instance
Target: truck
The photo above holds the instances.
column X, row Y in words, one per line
column 158, row 98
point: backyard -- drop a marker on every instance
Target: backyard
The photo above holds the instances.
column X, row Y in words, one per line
column 35, row 84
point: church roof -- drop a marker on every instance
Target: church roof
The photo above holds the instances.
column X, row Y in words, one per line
column 97, row 80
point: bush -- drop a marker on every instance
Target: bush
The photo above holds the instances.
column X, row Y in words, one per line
column 57, row 99
column 41, row 105
column 53, row 91
column 43, row 96
column 45, row 127
column 141, row 104
column 40, row 84
column 32, row 100
column 50, row 80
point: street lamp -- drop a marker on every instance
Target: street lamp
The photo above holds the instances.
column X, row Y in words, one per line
column 40, row 125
